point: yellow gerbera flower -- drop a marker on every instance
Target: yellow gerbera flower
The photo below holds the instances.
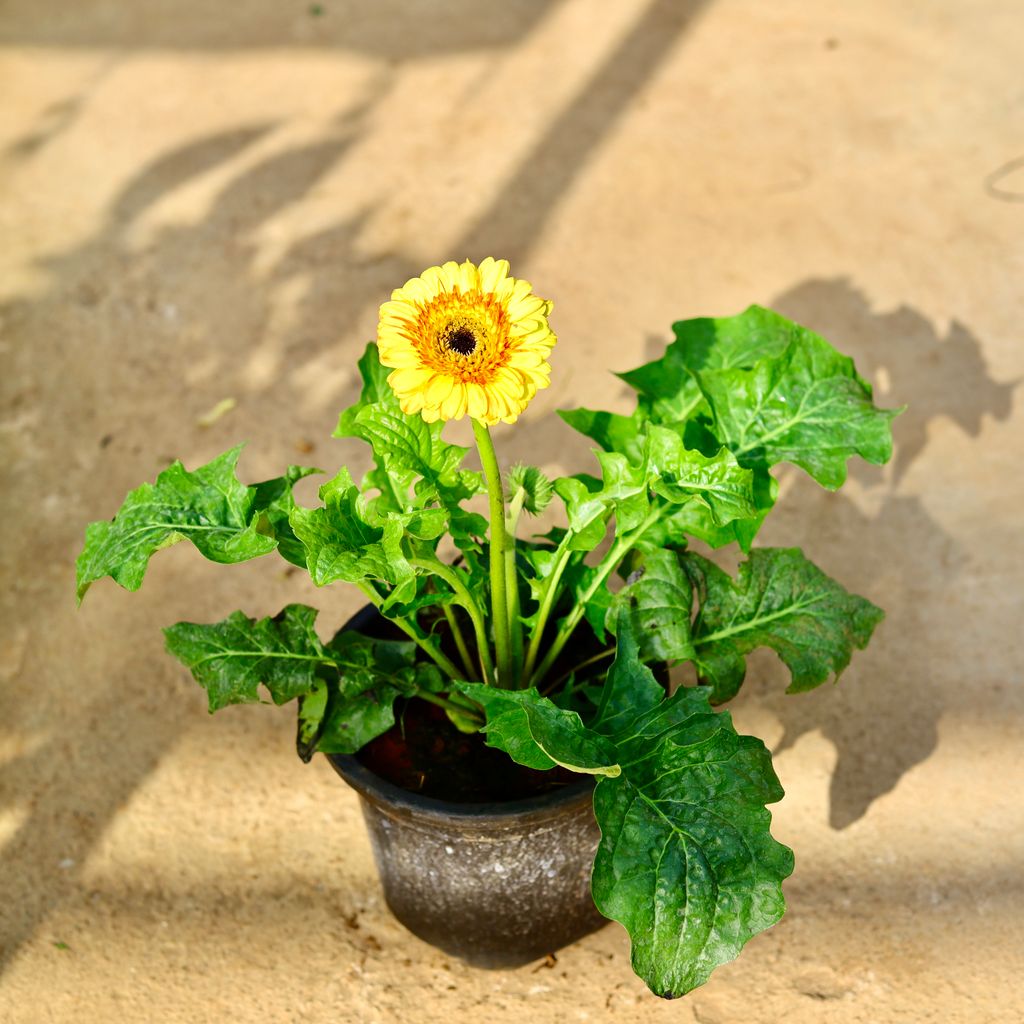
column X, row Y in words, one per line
column 466, row 339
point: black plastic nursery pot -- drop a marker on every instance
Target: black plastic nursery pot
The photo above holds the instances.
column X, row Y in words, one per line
column 498, row 883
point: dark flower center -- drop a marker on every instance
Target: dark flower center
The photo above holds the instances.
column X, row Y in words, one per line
column 462, row 340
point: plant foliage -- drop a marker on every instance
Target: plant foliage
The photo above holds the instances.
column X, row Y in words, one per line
column 686, row 862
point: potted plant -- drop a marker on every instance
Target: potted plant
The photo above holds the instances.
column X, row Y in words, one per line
column 497, row 706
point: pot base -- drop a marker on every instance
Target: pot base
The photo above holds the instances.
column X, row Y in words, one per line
column 497, row 885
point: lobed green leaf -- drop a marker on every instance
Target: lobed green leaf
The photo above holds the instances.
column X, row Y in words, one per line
column 718, row 483
column 345, row 689
column 340, row 541
column 226, row 520
column 779, row 600
column 230, row 659
column 778, row 392
column 408, row 452
column 658, row 600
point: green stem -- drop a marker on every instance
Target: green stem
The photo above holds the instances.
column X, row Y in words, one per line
column 515, row 509
column 499, row 594
column 466, row 599
column 546, row 604
column 460, row 640
column 439, row 657
column 447, row 704
column 611, row 560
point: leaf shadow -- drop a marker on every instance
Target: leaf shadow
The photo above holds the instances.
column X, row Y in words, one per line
column 911, row 362
column 883, row 716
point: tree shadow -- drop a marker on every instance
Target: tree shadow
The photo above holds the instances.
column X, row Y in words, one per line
column 75, row 784
column 94, row 753
column 387, row 29
column 58, row 117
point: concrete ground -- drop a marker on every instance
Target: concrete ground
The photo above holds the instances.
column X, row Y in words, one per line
column 203, row 202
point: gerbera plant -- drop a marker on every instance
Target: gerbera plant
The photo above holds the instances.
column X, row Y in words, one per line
column 554, row 647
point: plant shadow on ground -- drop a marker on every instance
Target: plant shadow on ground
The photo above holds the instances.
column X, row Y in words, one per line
column 882, row 717
column 75, row 766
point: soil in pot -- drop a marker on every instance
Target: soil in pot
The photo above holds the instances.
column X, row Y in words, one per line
column 425, row 754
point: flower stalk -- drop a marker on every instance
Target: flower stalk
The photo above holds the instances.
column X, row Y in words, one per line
column 551, row 591
column 499, row 592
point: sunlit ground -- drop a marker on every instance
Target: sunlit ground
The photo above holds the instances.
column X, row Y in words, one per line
column 204, row 202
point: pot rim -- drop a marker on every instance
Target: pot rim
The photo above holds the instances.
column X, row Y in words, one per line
column 497, row 813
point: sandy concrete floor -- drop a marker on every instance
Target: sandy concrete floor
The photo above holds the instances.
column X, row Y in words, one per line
column 209, row 201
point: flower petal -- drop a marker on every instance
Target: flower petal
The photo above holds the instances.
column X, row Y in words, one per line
column 492, row 273
column 438, row 389
column 454, row 405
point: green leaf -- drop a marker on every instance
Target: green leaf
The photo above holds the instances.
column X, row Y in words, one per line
column 231, row 658
column 375, row 391
column 209, row 507
column 590, row 502
column 667, row 391
column 658, row 601
column 696, row 520
column 767, row 388
column 578, row 582
column 541, row 557
column 680, row 475
column 274, row 498
column 535, row 732
column 723, row 343
column 800, row 402
column 717, row 500
column 686, row 862
column 346, row 689
column 340, row 543
column 716, row 490
column 350, row 723
column 630, row 688
column 779, row 600
column 408, row 443
column 372, row 674
column 312, row 707
column 614, row 433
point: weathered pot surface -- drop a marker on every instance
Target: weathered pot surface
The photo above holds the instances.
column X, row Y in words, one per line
column 496, row 884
